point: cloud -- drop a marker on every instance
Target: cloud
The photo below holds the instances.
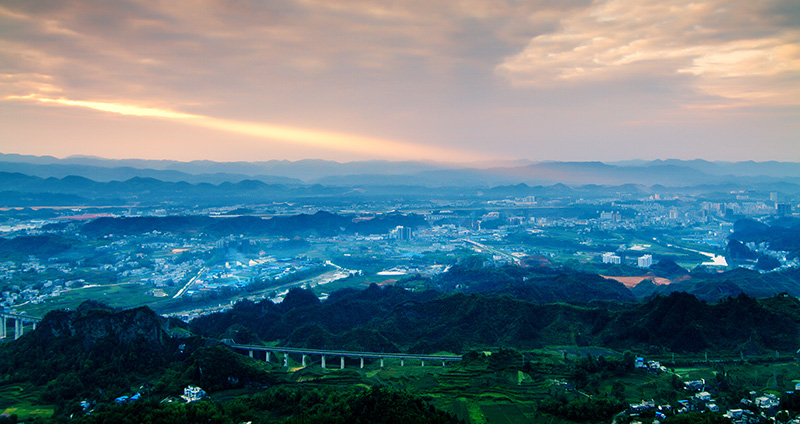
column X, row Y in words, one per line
column 734, row 50
column 180, row 45
column 441, row 73
column 367, row 146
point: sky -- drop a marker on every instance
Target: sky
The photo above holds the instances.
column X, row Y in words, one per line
column 447, row 81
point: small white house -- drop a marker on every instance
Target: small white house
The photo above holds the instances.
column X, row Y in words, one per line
column 193, row 394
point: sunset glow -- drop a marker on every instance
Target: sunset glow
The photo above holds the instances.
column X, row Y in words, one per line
column 370, row 147
column 446, row 81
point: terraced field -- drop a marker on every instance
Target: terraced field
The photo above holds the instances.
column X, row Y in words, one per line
column 23, row 400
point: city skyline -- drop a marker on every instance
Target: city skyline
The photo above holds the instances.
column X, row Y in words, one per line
column 451, row 82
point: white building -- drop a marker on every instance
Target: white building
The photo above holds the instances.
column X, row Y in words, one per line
column 645, row 261
column 193, row 394
column 401, row 233
column 610, row 258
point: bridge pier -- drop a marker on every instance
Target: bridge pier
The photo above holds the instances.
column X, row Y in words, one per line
column 282, row 353
column 19, row 324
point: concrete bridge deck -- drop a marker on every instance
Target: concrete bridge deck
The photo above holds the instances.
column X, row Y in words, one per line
column 19, row 316
column 19, row 323
column 341, row 354
column 346, row 353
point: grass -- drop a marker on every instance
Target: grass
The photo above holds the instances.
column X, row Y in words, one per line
column 131, row 295
column 116, row 295
column 504, row 414
column 23, row 400
column 358, row 282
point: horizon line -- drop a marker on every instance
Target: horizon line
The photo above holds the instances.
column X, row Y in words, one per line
column 489, row 162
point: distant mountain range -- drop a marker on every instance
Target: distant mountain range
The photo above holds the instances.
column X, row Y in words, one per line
column 48, row 181
column 668, row 173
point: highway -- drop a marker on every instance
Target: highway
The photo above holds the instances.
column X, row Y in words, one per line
column 491, row 249
column 185, row 288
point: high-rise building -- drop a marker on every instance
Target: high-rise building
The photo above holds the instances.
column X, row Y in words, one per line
column 610, row 258
column 402, row 233
column 645, row 261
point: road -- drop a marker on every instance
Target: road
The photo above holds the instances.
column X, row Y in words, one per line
column 185, row 288
column 492, row 250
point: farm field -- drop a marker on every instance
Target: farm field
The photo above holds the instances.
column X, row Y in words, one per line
column 23, row 400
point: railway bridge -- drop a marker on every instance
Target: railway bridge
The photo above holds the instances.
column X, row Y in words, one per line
column 19, row 323
column 282, row 354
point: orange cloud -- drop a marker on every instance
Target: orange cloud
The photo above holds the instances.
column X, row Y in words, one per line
column 369, row 146
column 616, row 39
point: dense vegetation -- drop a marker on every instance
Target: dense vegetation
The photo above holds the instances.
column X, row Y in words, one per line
column 19, row 248
column 281, row 404
column 548, row 284
column 783, row 234
column 583, row 410
column 714, row 287
column 539, row 285
column 320, row 223
column 95, row 350
column 97, row 353
column 392, row 319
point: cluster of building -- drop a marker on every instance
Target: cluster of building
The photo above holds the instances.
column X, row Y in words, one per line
column 752, row 410
column 652, row 366
column 644, row 261
column 159, row 261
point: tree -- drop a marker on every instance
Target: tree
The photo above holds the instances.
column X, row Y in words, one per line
column 767, row 263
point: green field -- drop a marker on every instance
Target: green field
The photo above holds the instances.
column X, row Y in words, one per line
column 116, row 295
column 23, row 400
column 131, row 295
column 477, row 393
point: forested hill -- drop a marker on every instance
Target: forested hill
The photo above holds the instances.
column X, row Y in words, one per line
column 320, row 223
column 539, row 285
column 391, row 319
column 550, row 285
column 99, row 353
column 95, row 346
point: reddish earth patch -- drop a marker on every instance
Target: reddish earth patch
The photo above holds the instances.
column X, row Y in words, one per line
column 536, row 261
column 380, row 283
column 630, row 282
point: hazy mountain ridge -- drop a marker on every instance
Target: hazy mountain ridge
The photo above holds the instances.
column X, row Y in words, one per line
column 20, row 190
column 744, row 168
column 670, row 173
column 108, row 174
